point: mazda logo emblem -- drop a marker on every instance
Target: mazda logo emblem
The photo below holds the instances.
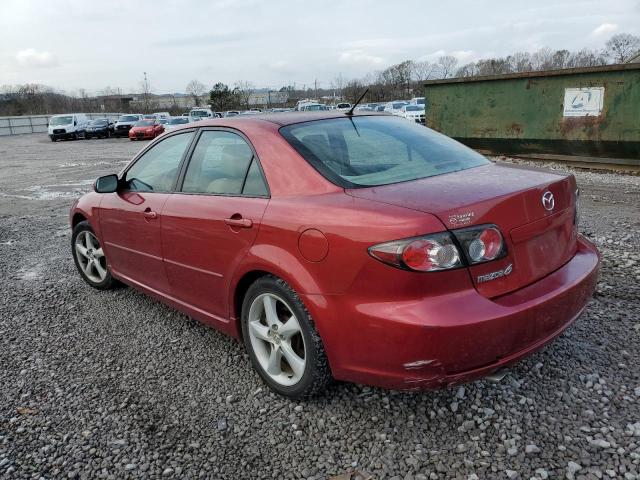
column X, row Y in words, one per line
column 547, row 201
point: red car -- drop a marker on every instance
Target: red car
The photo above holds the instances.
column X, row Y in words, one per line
column 145, row 129
column 362, row 248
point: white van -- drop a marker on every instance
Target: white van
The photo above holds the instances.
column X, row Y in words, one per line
column 71, row 125
column 197, row 114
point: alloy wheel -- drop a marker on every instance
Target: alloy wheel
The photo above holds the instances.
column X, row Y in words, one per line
column 277, row 340
column 91, row 257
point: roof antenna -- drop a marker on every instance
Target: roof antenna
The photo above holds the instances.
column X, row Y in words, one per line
column 350, row 112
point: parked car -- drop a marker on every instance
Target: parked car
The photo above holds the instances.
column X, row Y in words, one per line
column 197, row 114
column 163, row 121
column 231, row 113
column 394, row 107
column 343, row 106
column 175, row 122
column 415, row 113
column 160, row 115
column 124, row 123
column 380, row 108
column 149, row 116
column 417, row 101
column 99, row 128
column 364, row 248
column 68, row 126
column 313, row 107
column 145, row 129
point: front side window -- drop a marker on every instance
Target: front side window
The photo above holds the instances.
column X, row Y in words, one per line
column 368, row 151
column 220, row 164
column 157, row 169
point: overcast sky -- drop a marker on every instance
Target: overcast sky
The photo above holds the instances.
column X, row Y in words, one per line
column 87, row 44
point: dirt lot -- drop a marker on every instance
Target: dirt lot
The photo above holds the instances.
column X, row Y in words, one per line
column 115, row 385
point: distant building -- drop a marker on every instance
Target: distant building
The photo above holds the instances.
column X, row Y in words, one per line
column 266, row 98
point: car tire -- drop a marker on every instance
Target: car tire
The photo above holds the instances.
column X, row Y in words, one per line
column 54, row 140
column 312, row 374
column 98, row 276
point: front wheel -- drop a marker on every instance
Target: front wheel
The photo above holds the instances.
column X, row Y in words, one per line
column 282, row 341
column 89, row 257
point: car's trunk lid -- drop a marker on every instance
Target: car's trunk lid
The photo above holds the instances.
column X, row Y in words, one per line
column 539, row 240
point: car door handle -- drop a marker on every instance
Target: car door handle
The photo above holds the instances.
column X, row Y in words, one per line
column 239, row 222
column 150, row 214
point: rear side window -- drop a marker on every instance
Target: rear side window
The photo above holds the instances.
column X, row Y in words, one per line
column 377, row 150
column 157, row 169
column 223, row 164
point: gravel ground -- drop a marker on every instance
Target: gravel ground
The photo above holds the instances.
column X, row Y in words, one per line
column 116, row 385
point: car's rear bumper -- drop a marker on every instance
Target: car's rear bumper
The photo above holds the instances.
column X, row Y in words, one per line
column 450, row 339
column 141, row 136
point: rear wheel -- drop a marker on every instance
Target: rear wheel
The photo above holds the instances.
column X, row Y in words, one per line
column 282, row 341
column 89, row 257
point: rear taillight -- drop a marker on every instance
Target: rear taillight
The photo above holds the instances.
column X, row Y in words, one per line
column 429, row 253
column 442, row 251
column 481, row 243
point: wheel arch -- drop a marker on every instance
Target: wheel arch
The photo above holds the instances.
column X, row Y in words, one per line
column 77, row 218
column 256, row 266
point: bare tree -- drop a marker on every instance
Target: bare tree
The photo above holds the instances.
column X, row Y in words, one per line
column 447, row 65
column 423, row 71
column 244, row 91
column 196, row 89
column 520, row 62
column 337, row 85
column 542, row 59
column 467, row 70
column 622, row 47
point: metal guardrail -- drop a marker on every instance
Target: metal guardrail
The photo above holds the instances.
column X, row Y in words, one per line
column 37, row 123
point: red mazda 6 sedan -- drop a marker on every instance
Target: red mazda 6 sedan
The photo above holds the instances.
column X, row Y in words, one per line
column 362, row 248
column 145, row 130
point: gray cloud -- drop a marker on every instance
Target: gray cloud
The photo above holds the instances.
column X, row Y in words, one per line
column 274, row 43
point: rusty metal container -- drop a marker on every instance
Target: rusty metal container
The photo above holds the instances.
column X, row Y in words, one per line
column 593, row 113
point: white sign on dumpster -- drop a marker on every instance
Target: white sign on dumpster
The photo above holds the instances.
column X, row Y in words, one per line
column 583, row 102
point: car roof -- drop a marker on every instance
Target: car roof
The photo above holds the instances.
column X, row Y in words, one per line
column 285, row 118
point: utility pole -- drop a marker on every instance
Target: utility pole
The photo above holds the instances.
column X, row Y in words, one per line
column 315, row 86
column 145, row 93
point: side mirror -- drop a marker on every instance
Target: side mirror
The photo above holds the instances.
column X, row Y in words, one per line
column 75, row 122
column 106, row 184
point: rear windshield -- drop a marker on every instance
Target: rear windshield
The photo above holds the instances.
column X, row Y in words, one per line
column 178, row 121
column 199, row 113
column 128, row 118
column 377, row 150
column 99, row 122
